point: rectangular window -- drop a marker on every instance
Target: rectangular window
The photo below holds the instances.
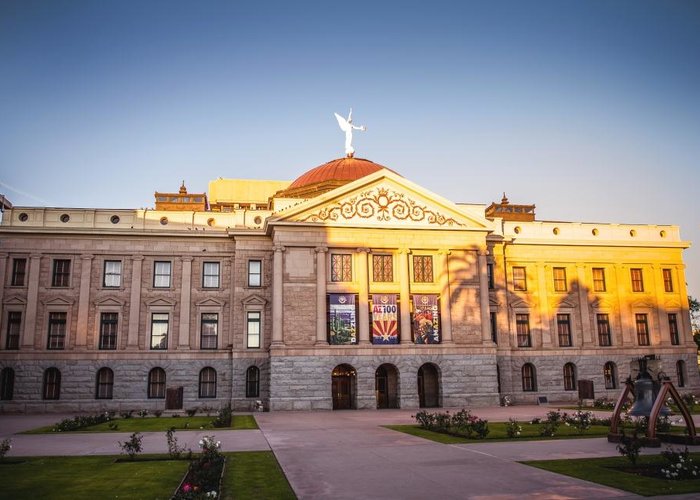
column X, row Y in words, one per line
column 61, row 273
column 112, row 274
column 598, row 279
column 668, row 280
column 494, row 327
column 673, row 329
column 255, row 273
column 253, row 329
column 564, row 330
column 560, row 284
column 642, row 329
column 423, row 268
column 19, row 271
column 637, row 280
column 382, row 268
column 522, row 325
column 159, row 330
column 108, row 330
column 519, row 279
column 210, row 331
column 210, row 275
column 341, row 267
column 489, row 275
column 161, row 274
column 57, row 330
column 603, row 321
column 14, row 325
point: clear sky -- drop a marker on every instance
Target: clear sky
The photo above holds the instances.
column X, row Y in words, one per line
column 589, row 109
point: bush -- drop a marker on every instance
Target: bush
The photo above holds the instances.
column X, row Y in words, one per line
column 680, row 465
column 604, row 404
column 580, row 420
column 462, row 423
column 174, row 450
column 5, row 446
column 689, row 399
column 127, row 414
column 191, row 412
column 75, row 423
column 143, row 413
column 629, row 446
column 158, row 413
column 132, row 447
column 425, row 420
column 513, row 428
column 223, row 417
column 204, row 474
column 551, row 424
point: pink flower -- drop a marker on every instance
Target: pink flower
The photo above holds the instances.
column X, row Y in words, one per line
column 186, row 487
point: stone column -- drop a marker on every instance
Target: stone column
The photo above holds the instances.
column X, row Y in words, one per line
column 626, row 320
column 586, row 330
column 662, row 334
column 84, row 300
column 445, row 297
column 277, row 290
column 185, row 299
column 405, row 297
column 362, row 273
column 685, row 335
column 321, row 319
column 3, row 271
column 484, row 298
column 132, row 339
column 545, row 318
column 32, row 300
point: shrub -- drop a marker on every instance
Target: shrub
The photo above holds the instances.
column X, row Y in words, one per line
column 78, row 422
column 689, row 399
column 158, row 413
column 425, row 420
column 604, row 403
column 191, row 412
column 513, row 428
column 629, row 446
column 462, row 423
column 551, row 424
column 5, row 446
column 223, row 417
column 133, row 446
column 143, row 413
column 443, row 421
column 127, row 414
column 580, row 420
column 680, row 465
column 113, row 426
column 175, row 450
column 206, row 409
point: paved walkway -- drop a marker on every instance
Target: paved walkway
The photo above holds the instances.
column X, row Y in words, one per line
column 349, row 454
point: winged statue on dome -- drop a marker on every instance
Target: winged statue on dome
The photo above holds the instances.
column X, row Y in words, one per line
column 347, row 127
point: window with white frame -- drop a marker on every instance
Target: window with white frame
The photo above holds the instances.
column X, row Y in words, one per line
column 161, row 274
column 255, row 273
column 112, row 274
column 253, row 320
column 160, row 323
column 209, row 331
column 210, row 275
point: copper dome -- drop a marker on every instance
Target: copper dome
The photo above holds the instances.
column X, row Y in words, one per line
column 329, row 176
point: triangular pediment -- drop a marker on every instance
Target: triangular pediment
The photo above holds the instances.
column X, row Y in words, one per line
column 494, row 302
column 254, row 300
column 210, row 302
column 382, row 199
column 108, row 301
column 161, row 302
column 58, row 301
column 566, row 303
column 519, row 303
column 600, row 303
column 643, row 303
column 15, row 300
column 672, row 304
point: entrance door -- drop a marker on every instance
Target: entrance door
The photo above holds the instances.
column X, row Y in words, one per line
column 428, row 386
column 173, row 398
column 343, row 387
column 381, row 383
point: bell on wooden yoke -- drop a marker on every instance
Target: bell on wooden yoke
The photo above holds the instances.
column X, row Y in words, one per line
column 646, row 391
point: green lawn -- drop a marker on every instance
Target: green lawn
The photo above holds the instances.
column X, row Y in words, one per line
column 90, row 477
column 498, row 432
column 602, row 471
column 156, row 424
column 247, row 475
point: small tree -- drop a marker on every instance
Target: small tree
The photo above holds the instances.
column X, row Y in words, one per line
column 630, row 445
column 694, row 306
column 132, row 447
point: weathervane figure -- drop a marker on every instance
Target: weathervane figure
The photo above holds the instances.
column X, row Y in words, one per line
column 347, row 127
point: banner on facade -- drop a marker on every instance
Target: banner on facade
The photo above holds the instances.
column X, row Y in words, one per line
column 385, row 320
column 342, row 318
column 426, row 319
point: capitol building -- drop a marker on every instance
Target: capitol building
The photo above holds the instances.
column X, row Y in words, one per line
column 350, row 287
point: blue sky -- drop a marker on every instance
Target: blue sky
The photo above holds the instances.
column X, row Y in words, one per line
column 589, row 109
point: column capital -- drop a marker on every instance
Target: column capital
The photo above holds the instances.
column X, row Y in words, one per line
column 402, row 251
column 186, row 259
column 87, row 256
column 483, row 251
column 363, row 250
column 444, row 251
column 278, row 248
column 321, row 249
column 137, row 258
column 36, row 256
column 4, row 255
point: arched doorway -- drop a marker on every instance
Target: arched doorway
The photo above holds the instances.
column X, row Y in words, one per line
column 386, row 386
column 428, row 386
column 343, row 387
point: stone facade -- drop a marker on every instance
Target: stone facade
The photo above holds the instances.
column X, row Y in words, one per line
column 247, row 295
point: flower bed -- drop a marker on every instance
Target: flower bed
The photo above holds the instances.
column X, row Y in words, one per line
column 203, row 478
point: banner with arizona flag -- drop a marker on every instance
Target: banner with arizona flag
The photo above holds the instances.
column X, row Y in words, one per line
column 426, row 319
column 385, row 321
column 342, row 318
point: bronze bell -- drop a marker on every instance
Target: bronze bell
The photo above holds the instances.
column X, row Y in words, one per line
column 645, row 392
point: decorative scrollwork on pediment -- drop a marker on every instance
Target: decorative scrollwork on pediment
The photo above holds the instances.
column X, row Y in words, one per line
column 383, row 205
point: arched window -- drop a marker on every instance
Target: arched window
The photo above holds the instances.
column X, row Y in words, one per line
column 680, row 373
column 7, row 384
column 529, row 378
column 610, row 375
column 207, row 383
column 252, row 382
column 52, row 384
column 156, row 383
column 569, row 377
column 104, row 383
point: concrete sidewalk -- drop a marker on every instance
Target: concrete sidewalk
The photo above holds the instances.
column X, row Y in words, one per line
column 348, row 454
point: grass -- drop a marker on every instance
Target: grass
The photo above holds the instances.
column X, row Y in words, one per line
column 254, row 474
column 602, row 471
column 156, row 424
column 497, row 432
column 90, row 477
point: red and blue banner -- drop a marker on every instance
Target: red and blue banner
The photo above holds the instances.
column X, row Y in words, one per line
column 342, row 318
column 426, row 319
column 385, row 319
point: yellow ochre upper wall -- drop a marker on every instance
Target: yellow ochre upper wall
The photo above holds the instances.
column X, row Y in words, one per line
column 243, row 190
